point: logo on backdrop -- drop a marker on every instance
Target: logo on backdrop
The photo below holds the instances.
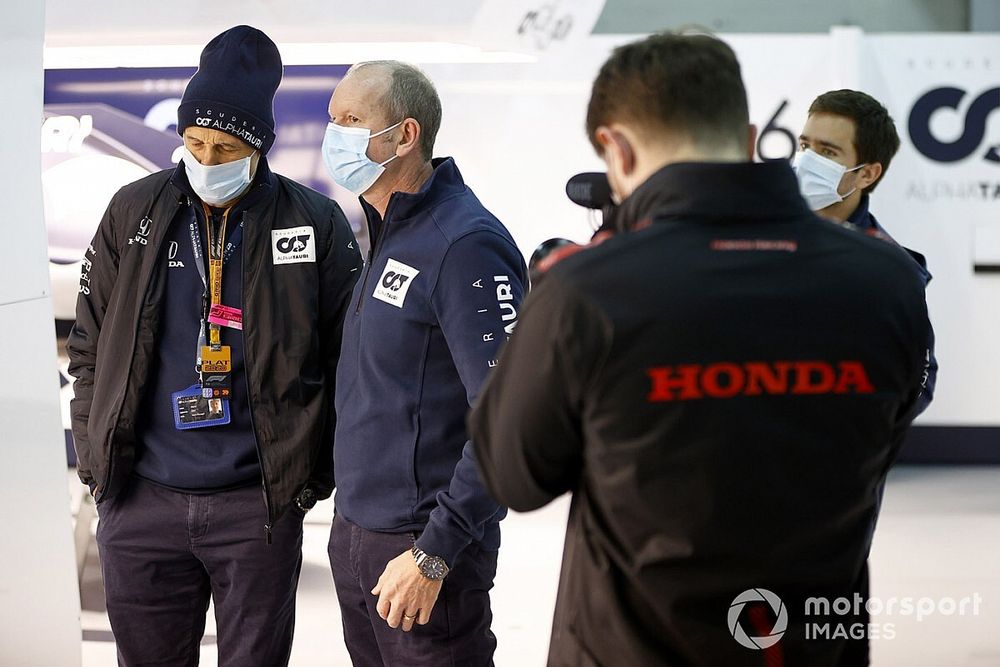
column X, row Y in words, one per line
column 953, row 125
column 974, row 125
column 754, row 597
column 772, row 129
column 293, row 246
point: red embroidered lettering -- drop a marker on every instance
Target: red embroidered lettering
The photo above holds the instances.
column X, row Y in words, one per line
column 710, row 380
column 665, row 382
column 852, row 374
column 755, row 378
column 767, row 378
column 813, row 377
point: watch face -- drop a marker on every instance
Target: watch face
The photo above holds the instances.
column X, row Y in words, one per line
column 306, row 499
column 433, row 567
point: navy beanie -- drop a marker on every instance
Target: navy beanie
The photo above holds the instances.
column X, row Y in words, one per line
column 233, row 89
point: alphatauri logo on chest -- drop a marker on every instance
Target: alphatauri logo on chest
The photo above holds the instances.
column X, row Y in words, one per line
column 395, row 283
column 293, row 246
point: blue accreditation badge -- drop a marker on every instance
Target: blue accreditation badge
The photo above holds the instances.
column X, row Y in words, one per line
column 193, row 410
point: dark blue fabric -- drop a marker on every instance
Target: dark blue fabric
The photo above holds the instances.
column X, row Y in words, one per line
column 410, row 370
column 458, row 633
column 863, row 219
column 165, row 553
column 233, row 89
column 201, row 459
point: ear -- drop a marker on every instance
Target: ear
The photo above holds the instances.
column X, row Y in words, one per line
column 868, row 174
column 410, row 139
column 752, row 145
column 616, row 148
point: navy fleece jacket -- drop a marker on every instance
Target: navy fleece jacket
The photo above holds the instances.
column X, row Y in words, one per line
column 863, row 219
column 438, row 298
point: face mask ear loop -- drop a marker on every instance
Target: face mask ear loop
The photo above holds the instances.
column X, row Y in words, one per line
column 391, row 127
column 855, row 188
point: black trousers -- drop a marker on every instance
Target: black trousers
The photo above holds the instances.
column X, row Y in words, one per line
column 165, row 553
column 459, row 630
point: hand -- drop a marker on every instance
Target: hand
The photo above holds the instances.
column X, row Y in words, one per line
column 404, row 594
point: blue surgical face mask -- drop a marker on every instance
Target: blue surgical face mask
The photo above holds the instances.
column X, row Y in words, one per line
column 345, row 153
column 216, row 184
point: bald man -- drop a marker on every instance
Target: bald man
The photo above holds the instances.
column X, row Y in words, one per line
column 415, row 537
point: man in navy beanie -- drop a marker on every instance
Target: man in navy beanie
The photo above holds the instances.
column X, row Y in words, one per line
column 205, row 351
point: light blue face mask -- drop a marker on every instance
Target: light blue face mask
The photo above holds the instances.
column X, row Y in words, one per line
column 219, row 183
column 345, row 153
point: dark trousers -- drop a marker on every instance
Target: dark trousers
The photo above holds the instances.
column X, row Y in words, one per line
column 459, row 630
column 165, row 553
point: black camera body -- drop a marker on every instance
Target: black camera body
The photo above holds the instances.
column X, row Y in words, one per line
column 590, row 190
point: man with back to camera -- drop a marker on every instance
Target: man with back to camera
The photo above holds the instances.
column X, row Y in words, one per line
column 845, row 149
column 415, row 535
column 205, row 351
column 719, row 387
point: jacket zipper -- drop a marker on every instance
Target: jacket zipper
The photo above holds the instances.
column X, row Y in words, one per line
column 373, row 253
column 253, row 422
column 135, row 337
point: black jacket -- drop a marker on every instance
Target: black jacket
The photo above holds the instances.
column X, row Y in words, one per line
column 292, row 318
column 723, row 391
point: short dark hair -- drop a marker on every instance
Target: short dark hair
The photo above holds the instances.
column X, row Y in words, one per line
column 410, row 95
column 875, row 137
column 685, row 83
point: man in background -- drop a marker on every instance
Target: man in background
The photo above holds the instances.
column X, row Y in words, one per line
column 846, row 146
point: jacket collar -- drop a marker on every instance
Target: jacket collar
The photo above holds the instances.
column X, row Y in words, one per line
column 260, row 189
column 715, row 190
column 862, row 217
column 445, row 181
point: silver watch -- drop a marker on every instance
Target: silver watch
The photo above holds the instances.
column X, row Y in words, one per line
column 432, row 567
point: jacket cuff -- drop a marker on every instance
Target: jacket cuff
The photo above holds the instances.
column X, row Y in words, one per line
column 437, row 540
column 321, row 488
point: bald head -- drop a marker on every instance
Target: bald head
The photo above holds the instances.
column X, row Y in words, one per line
column 387, row 92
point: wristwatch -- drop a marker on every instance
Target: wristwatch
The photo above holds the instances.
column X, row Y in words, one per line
column 432, row 567
column 306, row 499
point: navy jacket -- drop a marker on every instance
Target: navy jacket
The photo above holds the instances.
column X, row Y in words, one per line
column 863, row 219
column 438, row 298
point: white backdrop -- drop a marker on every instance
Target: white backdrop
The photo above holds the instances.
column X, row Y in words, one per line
column 937, row 207
column 517, row 132
column 39, row 600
